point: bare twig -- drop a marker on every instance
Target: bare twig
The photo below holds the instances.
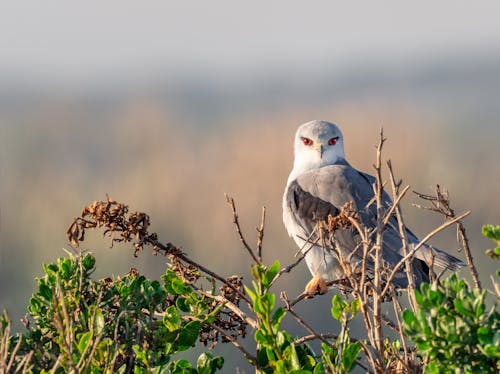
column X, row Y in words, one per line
column 404, row 238
column 377, row 295
column 288, row 308
column 302, row 255
column 215, row 276
column 236, row 222
column 235, row 343
column 441, row 204
column 64, row 324
column 396, row 197
column 419, row 245
column 260, row 234
column 398, row 312
column 228, row 304
column 308, row 338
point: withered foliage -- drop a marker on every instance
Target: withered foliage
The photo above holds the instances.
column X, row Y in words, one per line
column 228, row 326
column 124, row 227
column 440, row 203
column 344, row 219
column 119, row 225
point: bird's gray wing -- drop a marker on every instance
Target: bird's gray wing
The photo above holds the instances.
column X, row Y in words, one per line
column 320, row 192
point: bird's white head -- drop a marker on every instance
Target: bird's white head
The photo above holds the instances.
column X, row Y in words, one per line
column 317, row 144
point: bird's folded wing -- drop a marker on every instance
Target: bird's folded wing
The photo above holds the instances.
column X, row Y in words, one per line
column 320, row 192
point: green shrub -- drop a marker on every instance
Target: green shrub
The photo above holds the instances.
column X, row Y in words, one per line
column 79, row 325
column 452, row 327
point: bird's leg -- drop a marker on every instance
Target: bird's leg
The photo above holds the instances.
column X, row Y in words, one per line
column 316, row 286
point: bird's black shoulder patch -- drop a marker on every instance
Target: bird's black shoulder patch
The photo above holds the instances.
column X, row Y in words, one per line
column 308, row 207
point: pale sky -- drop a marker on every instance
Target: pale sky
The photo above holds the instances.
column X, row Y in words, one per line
column 69, row 41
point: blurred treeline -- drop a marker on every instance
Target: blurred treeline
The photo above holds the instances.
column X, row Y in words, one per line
column 173, row 150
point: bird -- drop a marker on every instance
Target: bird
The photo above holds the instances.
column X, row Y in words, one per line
column 320, row 184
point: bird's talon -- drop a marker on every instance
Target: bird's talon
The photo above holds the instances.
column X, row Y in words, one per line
column 316, row 286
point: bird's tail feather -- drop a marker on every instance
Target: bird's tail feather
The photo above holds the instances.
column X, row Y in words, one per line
column 447, row 261
column 432, row 255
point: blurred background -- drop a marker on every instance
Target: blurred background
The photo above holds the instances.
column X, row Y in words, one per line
column 168, row 105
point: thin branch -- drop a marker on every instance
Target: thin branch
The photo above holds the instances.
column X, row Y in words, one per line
column 441, row 204
column 215, row 276
column 397, row 200
column 404, row 239
column 468, row 255
column 289, row 268
column 260, row 233
column 419, row 245
column 397, row 312
column 237, row 344
column 236, row 222
column 231, row 306
column 308, row 338
column 288, row 308
column 377, row 296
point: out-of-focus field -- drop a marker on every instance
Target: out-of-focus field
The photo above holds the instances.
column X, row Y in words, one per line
column 63, row 153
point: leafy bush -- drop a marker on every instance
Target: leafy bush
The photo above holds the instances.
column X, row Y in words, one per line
column 453, row 329
column 77, row 324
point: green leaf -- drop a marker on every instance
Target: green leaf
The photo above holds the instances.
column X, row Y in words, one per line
column 189, row 334
column 84, row 341
column 179, row 287
column 181, row 367
column 355, row 306
column 183, row 304
column 50, row 269
column 171, row 318
column 271, row 274
column 435, row 297
column 319, row 369
column 45, row 291
column 258, row 272
column 492, row 351
column 410, row 319
column 266, row 304
column 492, row 232
column 280, row 339
column 459, row 306
column 98, row 322
column 262, row 358
column 280, row 367
column 207, row 364
column 350, row 354
column 484, row 335
column 338, row 307
column 432, row 368
column 294, row 359
column 65, row 268
column 278, row 317
column 88, row 262
column 261, row 337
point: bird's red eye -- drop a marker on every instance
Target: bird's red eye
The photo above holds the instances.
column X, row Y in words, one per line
column 333, row 141
column 307, row 141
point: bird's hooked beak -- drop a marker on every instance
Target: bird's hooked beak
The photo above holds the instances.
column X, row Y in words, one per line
column 319, row 147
